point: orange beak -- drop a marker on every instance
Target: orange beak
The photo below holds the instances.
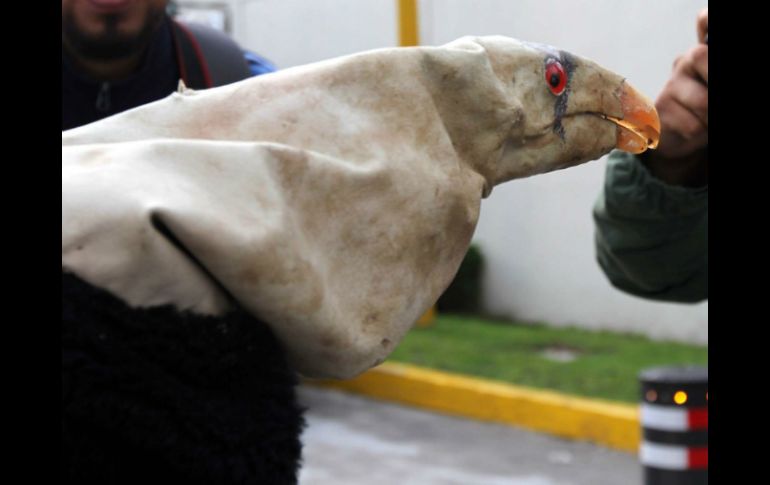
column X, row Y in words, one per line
column 639, row 129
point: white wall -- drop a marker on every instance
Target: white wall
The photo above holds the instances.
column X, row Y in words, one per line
column 293, row 32
column 537, row 233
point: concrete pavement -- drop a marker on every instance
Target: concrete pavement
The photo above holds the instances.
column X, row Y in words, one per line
column 352, row 440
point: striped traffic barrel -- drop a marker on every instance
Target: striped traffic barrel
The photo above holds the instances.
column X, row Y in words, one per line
column 674, row 418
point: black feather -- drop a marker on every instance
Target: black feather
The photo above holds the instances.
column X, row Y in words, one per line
column 158, row 396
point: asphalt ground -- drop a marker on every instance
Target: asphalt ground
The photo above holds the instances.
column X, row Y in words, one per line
column 360, row 441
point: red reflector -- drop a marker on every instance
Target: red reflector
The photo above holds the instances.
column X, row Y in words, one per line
column 698, row 418
column 698, row 458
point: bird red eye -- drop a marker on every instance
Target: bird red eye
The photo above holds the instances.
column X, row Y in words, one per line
column 555, row 76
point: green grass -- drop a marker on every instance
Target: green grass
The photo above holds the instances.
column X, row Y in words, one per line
column 607, row 366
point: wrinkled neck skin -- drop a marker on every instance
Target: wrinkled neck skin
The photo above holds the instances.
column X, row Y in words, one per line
column 478, row 114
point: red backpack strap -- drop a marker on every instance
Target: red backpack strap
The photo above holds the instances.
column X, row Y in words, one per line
column 208, row 57
column 193, row 67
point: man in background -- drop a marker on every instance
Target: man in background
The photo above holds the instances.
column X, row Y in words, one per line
column 119, row 54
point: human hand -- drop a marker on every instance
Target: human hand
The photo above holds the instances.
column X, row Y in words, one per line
column 683, row 109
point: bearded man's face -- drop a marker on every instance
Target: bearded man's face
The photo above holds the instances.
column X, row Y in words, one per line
column 109, row 29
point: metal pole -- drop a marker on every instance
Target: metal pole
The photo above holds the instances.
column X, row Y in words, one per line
column 408, row 30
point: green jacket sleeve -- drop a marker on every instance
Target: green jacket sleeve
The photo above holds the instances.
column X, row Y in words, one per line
column 651, row 238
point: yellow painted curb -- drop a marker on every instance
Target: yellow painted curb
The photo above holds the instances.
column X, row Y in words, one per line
column 605, row 423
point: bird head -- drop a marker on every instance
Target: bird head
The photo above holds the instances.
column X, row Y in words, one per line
column 541, row 109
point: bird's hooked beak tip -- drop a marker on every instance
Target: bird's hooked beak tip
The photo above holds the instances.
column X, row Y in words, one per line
column 639, row 128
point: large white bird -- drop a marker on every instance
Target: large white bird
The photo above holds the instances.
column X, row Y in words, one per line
column 332, row 201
